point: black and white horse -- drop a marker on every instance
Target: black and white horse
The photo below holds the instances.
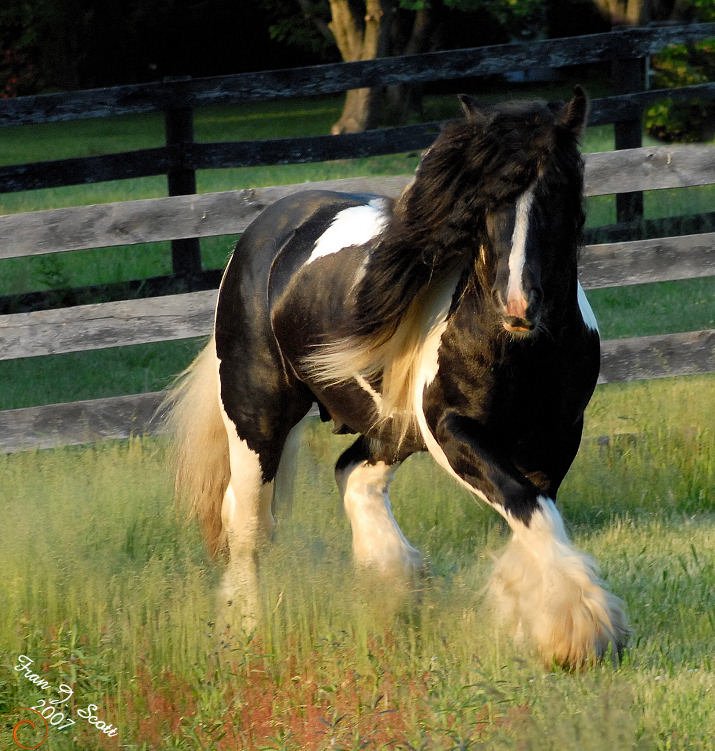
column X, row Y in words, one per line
column 450, row 320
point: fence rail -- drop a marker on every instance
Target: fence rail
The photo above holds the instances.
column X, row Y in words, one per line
column 183, row 216
column 194, row 156
column 171, row 317
column 338, row 77
column 118, row 417
column 229, row 212
column 182, row 156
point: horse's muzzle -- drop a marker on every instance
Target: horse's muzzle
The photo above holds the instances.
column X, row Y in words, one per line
column 518, row 325
column 520, row 315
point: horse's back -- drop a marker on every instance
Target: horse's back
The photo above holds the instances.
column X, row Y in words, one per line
column 291, row 274
column 274, row 248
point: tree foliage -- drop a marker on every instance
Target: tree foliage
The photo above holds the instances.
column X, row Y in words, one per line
column 365, row 29
column 64, row 44
column 683, row 65
column 305, row 23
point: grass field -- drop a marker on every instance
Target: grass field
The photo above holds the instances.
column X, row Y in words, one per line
column 109, row 592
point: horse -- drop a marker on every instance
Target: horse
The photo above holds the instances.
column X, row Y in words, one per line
column 450, row 320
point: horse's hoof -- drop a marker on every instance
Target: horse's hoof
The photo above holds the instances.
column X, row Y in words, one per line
column 559, row 605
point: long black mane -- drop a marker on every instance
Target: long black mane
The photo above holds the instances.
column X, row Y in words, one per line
column 475, row 165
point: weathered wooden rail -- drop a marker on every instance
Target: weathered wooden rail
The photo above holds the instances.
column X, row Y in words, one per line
column 623, row 44
column 112, row 324
column 117, row 417
column 150, row 220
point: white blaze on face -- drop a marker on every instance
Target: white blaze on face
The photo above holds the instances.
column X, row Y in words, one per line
column 352, row 226
column 515, row 293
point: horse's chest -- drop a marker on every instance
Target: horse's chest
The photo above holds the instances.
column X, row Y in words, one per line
column 497, row 384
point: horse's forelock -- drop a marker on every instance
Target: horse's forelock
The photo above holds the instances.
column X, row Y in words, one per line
column 472, row 167
column 487, row 161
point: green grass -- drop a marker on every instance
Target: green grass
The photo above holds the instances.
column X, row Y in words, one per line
column 661, row 308
column 109, row 591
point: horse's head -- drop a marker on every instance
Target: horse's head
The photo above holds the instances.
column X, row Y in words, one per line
column 502, row 187
column 530, row 185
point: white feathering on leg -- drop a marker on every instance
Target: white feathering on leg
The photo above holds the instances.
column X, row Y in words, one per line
column 551, row 593
column 378, row 541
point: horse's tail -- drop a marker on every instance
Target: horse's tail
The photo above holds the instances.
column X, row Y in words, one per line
column 200, row 445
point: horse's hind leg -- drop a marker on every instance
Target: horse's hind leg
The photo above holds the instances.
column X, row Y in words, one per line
column 248, row 524
column 256, row 437
column 378, row 542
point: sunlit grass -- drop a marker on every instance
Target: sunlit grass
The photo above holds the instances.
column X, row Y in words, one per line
column 107, row 589
column 659, row 308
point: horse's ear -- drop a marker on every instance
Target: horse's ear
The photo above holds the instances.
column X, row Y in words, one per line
column 575, row 112
column 472, row 110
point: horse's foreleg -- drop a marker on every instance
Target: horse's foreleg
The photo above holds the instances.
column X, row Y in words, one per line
column 378, row 542
column 551, row 593
column 544, row 587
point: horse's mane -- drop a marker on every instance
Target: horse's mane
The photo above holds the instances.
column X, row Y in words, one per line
column 475, row 164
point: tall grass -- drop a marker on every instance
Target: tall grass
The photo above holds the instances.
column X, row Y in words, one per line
column 108, row 590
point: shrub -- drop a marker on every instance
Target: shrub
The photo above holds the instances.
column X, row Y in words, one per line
column 690, row 120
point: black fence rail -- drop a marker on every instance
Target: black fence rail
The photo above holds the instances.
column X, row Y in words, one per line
column 625, row 44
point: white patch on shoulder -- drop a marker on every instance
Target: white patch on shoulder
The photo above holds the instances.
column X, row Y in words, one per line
column 586, row 311
column 353, row 226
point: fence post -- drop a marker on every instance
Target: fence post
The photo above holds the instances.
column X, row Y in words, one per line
column 629, row 75
column 179, row 132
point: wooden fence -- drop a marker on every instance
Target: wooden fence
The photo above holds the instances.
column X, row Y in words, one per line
column 626, row 50
column 185, row 217
column 181, row 316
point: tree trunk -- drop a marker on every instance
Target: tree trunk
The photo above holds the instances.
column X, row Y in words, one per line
column 361, row 111
column 383, row 31
column 405, row 99
column 625, row 12
column 358, row 40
